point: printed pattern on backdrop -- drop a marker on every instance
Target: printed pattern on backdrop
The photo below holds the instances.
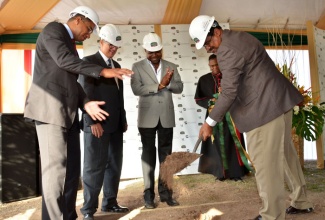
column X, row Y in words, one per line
column 320, row 52
column 319, row 36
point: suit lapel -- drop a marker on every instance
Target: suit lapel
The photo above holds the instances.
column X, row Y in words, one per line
column 163, row 68
column 148, row 70
column 100, row 59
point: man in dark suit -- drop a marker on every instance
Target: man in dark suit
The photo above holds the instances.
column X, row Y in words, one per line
column 53, row 101
column 260, row 100
column 154, row 81
column 103, row 148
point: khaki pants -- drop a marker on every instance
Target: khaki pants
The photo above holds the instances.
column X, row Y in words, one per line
column 275, row 159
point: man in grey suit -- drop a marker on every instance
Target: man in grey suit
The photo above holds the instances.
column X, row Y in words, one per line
column 260, row 100
column 103, row 148
column 53, row 101
column 154, row 81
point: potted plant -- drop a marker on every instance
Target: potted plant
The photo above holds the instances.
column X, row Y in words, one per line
column 308, row 116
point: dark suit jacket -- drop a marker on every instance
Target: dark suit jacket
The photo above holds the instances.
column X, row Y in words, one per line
column 104, row 89
column 55, row 94
column 253, row 89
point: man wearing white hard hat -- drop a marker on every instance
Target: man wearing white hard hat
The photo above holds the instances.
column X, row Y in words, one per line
column 52, row 103
column 154, row 81
column 260, row 100
column 103, row 141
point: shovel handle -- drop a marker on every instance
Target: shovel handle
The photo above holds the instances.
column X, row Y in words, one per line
column 197, row 144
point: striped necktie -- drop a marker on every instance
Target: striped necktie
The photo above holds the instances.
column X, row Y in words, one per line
column 109, row 64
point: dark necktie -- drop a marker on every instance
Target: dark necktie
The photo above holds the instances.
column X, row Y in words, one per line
column 109, row 64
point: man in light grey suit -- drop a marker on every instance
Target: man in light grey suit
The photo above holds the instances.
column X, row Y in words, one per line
column 53, row 101
column 155, row 80
column 260, row 100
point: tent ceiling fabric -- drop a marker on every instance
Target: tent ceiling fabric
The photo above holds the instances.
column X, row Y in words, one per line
column 26, row 15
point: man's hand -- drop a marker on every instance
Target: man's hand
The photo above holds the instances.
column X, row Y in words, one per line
column 116, row 72
column 205, row 131
column 94, row 111
column 97, row 130
column 167, row 78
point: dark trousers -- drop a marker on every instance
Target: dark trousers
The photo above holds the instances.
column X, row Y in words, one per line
column 60, row 161
column 148, row 157
column 103, row 159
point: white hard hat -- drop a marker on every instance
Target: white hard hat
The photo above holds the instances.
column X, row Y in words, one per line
column 88, row 13
column 199, row 29
column 152, row 42
column 111, row 34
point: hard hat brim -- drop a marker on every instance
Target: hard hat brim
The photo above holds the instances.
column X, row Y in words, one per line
column 152, row 49
column 200, row 44
column 96, row 29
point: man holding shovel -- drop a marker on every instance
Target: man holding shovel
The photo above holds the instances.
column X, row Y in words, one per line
column 154, row 81
column 260, row 100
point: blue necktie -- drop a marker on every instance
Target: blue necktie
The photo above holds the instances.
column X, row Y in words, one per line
column 109, row 64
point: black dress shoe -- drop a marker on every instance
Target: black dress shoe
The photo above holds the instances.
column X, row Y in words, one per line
column 259, row 217
column 170, row 202
column 149, row 205
column 115, row 208
column 293, row 210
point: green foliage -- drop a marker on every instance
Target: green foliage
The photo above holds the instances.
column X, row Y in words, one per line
column 309, row 122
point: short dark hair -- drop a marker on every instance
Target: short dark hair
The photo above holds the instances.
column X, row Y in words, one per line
column 212, row 56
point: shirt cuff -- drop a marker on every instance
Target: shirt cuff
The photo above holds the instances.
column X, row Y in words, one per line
column 210, row 121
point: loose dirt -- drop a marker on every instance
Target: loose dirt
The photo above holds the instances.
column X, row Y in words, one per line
column 200, row 197
column 175, row 163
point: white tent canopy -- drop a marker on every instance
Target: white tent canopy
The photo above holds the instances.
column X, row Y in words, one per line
column 26, row 15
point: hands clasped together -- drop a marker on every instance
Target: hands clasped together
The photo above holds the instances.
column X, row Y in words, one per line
column 166, row 79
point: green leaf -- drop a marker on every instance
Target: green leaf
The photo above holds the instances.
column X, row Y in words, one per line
column 309, row 124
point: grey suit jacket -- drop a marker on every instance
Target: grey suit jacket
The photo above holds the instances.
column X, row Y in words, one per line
column 55, row 94
column 154, row 104
column 253, row 90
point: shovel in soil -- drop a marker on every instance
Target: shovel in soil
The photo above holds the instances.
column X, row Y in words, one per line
column 177, row 161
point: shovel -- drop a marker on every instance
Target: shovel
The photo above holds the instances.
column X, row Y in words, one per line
column 177, row 161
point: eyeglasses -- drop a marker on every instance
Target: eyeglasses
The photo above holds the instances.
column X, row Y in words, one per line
column 90, row 29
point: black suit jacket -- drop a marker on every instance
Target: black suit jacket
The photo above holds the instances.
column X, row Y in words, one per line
column 104, row 89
